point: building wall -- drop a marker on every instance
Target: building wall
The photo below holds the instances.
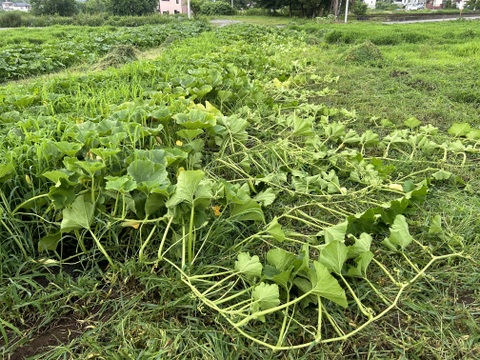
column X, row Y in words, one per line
column 170, row 7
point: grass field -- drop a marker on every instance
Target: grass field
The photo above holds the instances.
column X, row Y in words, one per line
column 304, row 192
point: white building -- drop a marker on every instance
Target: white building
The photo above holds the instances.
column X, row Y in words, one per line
column 371, row 3
column 18, row 6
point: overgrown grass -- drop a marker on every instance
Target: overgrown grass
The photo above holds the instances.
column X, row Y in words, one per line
column 283, row 84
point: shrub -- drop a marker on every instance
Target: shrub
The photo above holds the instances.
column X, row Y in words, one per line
column 338, row 37
column 11, row 19
column 329, row 19
column 216, row 8
column 256, row 12
column 360, row 8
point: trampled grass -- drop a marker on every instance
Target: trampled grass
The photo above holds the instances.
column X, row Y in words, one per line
column 297, row 147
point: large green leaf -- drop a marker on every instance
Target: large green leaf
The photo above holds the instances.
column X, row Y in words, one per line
column 68, row 148
column 280, row 259
column 249, row 210
column 333, row 256
column 148, row 175
column 49, row 242
column 6, row 171
column 361, row 245
column 459, row 129
column 191, row 188
column 122, row 184
column 334, row 233
column 78, row 216
column 325, row 285
column 59, row 177
column 265, row 296
column 196, row 119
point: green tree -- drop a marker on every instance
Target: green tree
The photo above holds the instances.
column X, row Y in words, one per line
column 132, row 7
column 473, row 4
column 95, row 6
column 52, row 7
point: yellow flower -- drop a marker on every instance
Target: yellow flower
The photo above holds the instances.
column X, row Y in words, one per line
column 216, row 210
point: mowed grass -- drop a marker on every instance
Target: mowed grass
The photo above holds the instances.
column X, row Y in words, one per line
column 141, row 312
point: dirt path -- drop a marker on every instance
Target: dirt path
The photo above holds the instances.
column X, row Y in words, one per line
column 222, row 23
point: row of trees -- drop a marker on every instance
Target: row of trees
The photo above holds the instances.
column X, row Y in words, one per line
column 72, row 7
column 307, row 8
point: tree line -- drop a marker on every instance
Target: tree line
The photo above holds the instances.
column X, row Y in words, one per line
column 114, row 7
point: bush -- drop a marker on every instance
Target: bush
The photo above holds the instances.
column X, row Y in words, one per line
column 11, row 19
column 360, row 8
column 257, row 12
column 195, row 6
column 329, row 19
column 216, row 8
column 339, row 37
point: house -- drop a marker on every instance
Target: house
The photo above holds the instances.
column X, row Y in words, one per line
column 371, row 3
column 170, row 7
column 16, row 6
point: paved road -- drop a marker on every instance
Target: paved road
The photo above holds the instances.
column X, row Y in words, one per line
column 431, row 20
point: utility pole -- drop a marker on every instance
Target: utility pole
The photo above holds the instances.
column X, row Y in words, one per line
column 346, row 11
column 189, row 13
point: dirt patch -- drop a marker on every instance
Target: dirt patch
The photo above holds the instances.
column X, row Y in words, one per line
column 64, row 332
column 222, row 23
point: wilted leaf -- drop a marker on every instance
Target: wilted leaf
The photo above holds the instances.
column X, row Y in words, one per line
column 249, row 210
column 362, row 261
column 436, row 225
column 399, row 234
column 362, row 244
column 442, row 175
column 275, row 229
column 266, row 197
column 474, row 134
